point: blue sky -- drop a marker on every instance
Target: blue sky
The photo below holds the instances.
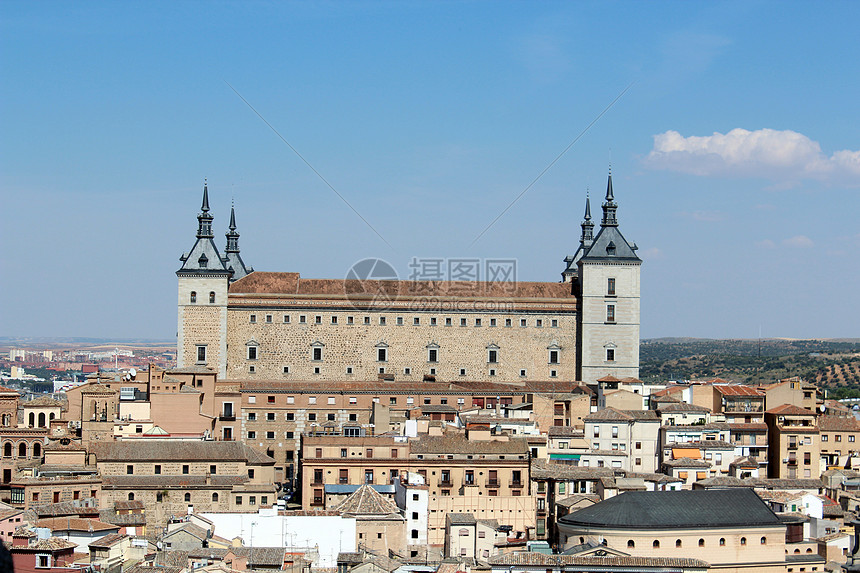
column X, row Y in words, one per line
column 735, row 152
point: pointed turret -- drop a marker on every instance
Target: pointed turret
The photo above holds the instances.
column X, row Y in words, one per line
column 204, row 256
column 204, row 219
column 609, row 206
column 587, row 226
column 232, row 259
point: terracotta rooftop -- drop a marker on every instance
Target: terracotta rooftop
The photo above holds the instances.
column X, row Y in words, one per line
column 737, row 390
column 269, row 283
column 367, row 501
column 610, row 414
column 458, row 444
column 790, row 410
column 145, row 451
column 838, row 424
column 682, row 407
column 74, row 524
column 109, row 540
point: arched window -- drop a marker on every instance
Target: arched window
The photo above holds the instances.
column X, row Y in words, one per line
column 701, row 542
column 215, row 497
column 22, row 450
column 764, row 540
column 809, row 550
column 7, row 450
column 656, row 544
column 41, row 419
column 212, row 297
column 32, row 419
column 193, row 296
column 722, row 541
column 630, row 544
column 37, row 450
column 677, row 543
column 52, row 416
column 743, row 540
column 797, row 550
column 131, row 497
column 5, row 419
column 187, row 497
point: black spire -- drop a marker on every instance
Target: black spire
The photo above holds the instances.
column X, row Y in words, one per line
column 204, row 227
column 609, row 206
column 587, row 226
column 232, row 235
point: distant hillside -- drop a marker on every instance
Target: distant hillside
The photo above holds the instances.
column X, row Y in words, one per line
column 830, row 363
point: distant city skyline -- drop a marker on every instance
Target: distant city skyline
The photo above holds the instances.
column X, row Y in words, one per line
column 735, row 153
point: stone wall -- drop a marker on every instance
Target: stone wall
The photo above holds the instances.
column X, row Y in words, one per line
column 351, row 340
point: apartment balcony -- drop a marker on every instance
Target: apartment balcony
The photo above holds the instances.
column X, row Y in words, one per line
column 516, row 484
column 445, row 483
column 227, row 417
column 492, row 482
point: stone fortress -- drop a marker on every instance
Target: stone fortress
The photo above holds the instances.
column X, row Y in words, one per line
column 252, row 325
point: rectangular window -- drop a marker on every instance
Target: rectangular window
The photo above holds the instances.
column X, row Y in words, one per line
column 399, row 321
column 382, row 355
column 252, row 353
column 553, row 356
column 462, row 322
column 477, row 322
column 610, row 313
column 252, row 435
column 432, row 355
column 448, row 321
column 610, row 354
column 610, row 287
column 129, row 469
column 270, row 435
column 186, row 469
column 157, row 469
column 286, row 369
column 317, row 319
column 286, row 319
column 416, row 321
column 366, row 320
column 349, row 320
column 493, row 356
column 252, row 318
column 269, row 318
column 492, row 322
column 201, row 353
column 303, row 319
column 381, row 321
column 539, row 323
column 554, row 323
column 523, row 322
column 433, row 321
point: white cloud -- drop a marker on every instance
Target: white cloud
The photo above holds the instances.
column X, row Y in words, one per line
column 781, row 155
column 766, row 244
column 799, row 241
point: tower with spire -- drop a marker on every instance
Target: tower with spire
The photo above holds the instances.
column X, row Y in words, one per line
column 232, row 259
column 203, row 281
column 604, row 275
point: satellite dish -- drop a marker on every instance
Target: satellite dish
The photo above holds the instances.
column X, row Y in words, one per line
column 822, row 408
column 132, row 372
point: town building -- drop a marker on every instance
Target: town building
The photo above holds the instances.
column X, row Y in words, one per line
column 280, row 326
